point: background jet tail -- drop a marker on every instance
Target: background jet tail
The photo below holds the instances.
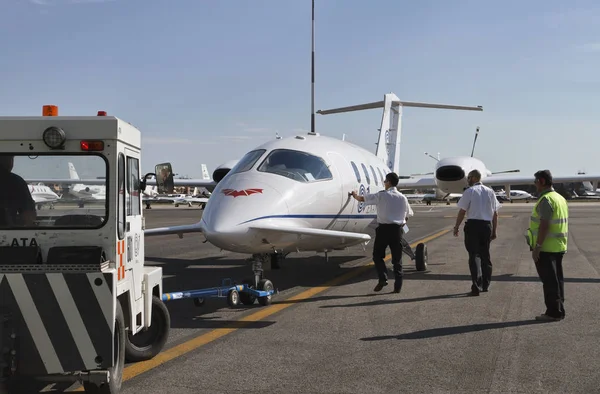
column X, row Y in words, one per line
column 205, row 174
column 390, row 132
column 72, row 172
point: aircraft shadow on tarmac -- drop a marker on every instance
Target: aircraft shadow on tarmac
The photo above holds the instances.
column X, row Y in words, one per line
column 445, row 331
column 182, row 274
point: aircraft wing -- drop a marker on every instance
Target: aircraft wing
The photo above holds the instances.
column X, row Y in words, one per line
column 207, row 183
column 500, row 180
column 417, row 183
column 179, row 230
column 67, row 181
column 312, row 232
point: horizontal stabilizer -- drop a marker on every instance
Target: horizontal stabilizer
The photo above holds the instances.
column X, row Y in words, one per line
column 179, row 230
column 380, row 104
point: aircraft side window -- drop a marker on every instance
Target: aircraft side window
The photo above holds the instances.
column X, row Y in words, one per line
column 381, row 175
column 296, row 165
column 374, row 176
column 366, row 173
column 247, row 162
column 355, row 168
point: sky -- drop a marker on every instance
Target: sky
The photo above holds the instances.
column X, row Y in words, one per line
column 208, row 81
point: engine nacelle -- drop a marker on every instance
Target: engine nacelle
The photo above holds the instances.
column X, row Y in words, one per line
column 222, row 170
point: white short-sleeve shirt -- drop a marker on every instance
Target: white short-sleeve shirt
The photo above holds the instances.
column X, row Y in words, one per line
column 480, row 202
column 392, row 206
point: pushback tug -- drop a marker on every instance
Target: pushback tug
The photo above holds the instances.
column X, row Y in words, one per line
column 76, row 299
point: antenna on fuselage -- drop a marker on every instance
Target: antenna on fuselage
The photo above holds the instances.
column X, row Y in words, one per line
column 438, row 156
column 312, row 75
column 474, row 141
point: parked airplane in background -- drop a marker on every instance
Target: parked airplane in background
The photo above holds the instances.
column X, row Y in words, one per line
column 43, row 195
column 516, row 195
column 292, row 194
column 450, row 174
column 85, row 192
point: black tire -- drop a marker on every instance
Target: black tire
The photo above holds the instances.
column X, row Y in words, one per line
column 233, row 298
column 247, row 298
column 421, row 257
column 198, row 301
column 146, row 344
column 116, row 372
column 265, row 285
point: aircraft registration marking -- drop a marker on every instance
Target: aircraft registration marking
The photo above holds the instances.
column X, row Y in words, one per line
column 141, row 367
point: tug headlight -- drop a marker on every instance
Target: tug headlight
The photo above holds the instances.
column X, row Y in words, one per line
column 54, row 137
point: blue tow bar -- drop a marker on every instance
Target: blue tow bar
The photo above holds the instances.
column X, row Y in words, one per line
column 233, row 292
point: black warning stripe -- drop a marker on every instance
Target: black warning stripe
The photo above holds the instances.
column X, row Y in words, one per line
column 29, row 361
column 93, row 316
column 55, row 322
column 81, row 288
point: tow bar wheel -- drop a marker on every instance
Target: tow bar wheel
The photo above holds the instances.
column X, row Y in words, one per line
column 233, row 298
column 116, row 372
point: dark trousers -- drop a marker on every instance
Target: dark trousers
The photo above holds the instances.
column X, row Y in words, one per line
column 388, row 235
column 477, row 242
column 550, row 271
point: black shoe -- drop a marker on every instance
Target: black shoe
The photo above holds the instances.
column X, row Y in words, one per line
column 380, row 286
column 485, row 290
column 473, row 293
column 397, row 288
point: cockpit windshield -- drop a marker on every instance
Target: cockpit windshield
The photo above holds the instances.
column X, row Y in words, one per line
column 296, row 165
column 247, row 161
column 52, row 191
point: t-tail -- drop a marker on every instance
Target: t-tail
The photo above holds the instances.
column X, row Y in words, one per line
column 390, row 132
column 205, row 174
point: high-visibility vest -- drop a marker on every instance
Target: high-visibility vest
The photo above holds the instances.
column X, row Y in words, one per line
column 556, row 238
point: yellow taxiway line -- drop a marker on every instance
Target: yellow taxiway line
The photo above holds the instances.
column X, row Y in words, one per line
column 141, row 367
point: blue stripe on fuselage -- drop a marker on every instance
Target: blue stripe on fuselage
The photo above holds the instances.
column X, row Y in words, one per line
column 333, row 216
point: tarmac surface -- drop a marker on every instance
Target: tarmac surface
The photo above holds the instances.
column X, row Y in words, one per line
column 328, row 332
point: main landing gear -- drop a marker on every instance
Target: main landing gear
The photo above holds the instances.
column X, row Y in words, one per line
column 420, row 256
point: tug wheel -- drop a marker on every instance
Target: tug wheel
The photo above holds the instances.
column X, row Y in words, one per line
column 265, row 285
column 233, row 298
column 116, row 372
column 148, row 343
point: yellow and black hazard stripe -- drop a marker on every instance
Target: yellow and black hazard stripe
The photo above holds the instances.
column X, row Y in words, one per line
column 58, row 322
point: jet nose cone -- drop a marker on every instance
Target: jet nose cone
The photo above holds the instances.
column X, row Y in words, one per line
column 233, row 207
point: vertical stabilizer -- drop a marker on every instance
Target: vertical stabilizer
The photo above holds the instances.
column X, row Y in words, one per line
column 72, row 172
column 388, row 144
column 205, row 174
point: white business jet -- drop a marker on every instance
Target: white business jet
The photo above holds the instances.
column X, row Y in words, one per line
column 450, row 175
column 43, row 195
column 516, row 195
column 85, row 192
column 292, row 194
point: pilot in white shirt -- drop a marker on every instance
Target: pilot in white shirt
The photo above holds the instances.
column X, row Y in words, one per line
column 393, row 210
column 480, row 205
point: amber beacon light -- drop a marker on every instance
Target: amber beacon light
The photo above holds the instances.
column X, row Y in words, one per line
column 49, row 110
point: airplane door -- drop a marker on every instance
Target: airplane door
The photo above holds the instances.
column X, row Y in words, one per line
column 134, row 242
column 346, row 202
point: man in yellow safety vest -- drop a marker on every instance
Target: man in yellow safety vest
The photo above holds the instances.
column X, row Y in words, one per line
column 547, row 238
